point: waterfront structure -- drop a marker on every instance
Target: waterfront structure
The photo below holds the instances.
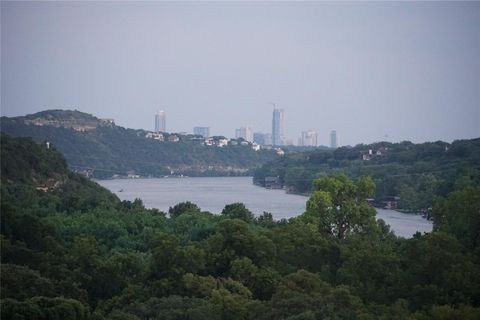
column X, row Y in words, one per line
column 160, row 122
column 202, row 131
column 245, row 133
column 273, row 183
column 333, row 139
column 309, row 138
column 278, row 127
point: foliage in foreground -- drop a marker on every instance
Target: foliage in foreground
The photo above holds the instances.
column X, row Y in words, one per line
column 75, row 251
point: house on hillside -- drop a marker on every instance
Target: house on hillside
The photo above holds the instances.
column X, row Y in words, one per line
column 370, row 153
column 222, row 143
column 173, row 138
column 155, row 136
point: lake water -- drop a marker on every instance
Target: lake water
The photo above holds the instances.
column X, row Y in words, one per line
column 212, row 194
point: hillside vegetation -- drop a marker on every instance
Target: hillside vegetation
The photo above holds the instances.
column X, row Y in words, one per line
column 414, row 173
column 103, row 149
column 73, row 250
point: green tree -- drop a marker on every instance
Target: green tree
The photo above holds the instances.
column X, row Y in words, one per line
column 233, row 239
column 238, row 211
column 436, row 271
column 266, row 220
column 338, row 205
column 261, row 281
column 459, row 214
column 183, row 207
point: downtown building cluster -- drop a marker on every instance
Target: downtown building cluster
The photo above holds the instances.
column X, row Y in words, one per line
column 276, row 138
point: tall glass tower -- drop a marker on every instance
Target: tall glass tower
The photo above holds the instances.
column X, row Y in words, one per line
column 278, row 127
column 160, row 125
column 333, row 139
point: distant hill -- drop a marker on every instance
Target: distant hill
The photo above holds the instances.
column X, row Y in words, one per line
column 407, row 173
column 102, row 149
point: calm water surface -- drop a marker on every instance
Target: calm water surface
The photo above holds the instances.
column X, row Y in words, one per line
column 212, row 194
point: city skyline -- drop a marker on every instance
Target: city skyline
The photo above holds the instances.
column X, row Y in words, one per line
column 308, row 138
column 372, row 71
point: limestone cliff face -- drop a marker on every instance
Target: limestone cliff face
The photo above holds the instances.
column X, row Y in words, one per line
column 75, row 120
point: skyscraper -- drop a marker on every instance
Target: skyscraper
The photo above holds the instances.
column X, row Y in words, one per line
column 309, row 138
column 160, row 124
column 333, row 139
column 278, row 127
column 202, row 131
column 245, row 132
column 267, row 139
column 259, row 138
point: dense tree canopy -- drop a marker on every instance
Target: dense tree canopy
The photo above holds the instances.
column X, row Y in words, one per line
column 459, row 215
column 414, row 173
column 75, row 251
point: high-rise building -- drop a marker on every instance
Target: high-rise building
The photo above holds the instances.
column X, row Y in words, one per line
column 245, row 133
column 239, row 133
column 263, row 139
column 333, row 139
column 309, row 138
column 160, row 123
column 259, row 138
column 267, row 139
column 202, row 131
column 278, row 127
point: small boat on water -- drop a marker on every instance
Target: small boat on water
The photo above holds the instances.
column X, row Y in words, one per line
column 121, row 190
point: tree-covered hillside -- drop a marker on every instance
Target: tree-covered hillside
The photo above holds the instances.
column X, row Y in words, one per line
column 72, row 250
column 414, row 173
column 104, row 149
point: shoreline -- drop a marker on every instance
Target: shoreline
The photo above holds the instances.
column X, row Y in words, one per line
column 306, row 195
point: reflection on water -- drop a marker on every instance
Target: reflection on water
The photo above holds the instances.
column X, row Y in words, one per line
column 212, row 194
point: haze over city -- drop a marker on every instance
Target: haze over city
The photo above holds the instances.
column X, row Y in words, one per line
column 371, row 71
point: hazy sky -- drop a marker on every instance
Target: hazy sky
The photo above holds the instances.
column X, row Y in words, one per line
column 407, row 70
